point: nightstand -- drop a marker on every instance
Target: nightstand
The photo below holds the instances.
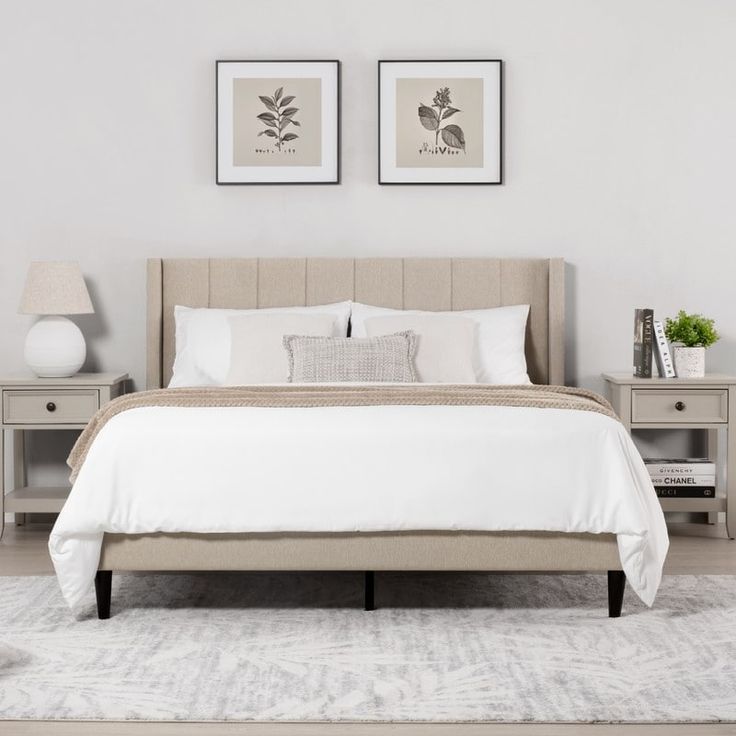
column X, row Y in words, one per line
column 688, row 403
column 46, row 404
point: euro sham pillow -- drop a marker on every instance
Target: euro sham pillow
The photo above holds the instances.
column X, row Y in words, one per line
column 445, row 344
column 203, row 339
column 257, row 344
column 498, row 355
column 385, row 359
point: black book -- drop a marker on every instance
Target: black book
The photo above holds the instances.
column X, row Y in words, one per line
column 685, row 491
column 643, row 342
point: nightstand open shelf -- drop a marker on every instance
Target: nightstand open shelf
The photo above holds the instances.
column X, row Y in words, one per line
column 28, row 403
column 708, row 505
column 707, row 403
column 43, row 500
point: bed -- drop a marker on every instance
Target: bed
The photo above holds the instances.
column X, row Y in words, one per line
column 429, row 284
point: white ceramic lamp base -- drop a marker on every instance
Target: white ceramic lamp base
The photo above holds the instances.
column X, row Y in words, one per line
column 55, row 348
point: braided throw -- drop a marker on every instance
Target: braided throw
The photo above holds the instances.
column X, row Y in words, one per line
column 301, row 396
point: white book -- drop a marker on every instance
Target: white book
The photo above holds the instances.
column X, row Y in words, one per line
column 665, row 366
column 680, row 467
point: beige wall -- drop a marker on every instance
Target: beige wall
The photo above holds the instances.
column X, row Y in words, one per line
column 620, row 152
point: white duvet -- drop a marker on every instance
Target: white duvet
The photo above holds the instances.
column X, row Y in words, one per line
column 379, row 468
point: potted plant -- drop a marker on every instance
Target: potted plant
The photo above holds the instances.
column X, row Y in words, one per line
column 691, row 335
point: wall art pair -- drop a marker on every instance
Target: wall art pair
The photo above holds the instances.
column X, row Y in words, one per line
column 439, row 122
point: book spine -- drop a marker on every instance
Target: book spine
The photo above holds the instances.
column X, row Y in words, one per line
column 689, row 480
column 665, row 366
column 643, row 341
column 648, row 342
column 689, row 492
column 687, row 469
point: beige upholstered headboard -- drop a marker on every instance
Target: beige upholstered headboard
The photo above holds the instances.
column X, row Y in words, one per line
column 401, row 283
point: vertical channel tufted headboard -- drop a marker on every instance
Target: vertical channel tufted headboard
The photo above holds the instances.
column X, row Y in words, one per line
column 402, row 283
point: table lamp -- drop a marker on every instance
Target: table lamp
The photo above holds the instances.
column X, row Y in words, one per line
column 55, row 346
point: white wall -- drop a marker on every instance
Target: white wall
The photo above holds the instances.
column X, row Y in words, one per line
column 620, row 122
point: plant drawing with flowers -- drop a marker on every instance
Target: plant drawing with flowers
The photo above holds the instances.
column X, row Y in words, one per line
column 278, row 117
column 432, row 119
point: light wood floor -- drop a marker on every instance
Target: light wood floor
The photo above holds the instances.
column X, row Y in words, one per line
column 694, row 549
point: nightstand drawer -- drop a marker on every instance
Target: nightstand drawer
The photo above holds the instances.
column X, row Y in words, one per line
column 49, row 407
column 700, row 405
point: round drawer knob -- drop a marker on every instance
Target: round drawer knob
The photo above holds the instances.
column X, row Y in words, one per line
column 51, row 406
column 680, row 406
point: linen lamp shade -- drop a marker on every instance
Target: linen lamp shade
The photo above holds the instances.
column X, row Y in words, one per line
column 55, row 287
column 55, row 346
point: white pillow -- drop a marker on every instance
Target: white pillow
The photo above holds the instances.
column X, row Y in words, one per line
column 203, row 339
column 445, row 344
column 499, row 356
column 257, row 352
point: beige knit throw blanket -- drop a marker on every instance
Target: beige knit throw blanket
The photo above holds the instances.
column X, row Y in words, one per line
column 303, row 396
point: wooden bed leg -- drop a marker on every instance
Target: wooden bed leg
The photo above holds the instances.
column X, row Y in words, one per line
column 370, row 597
column 103, row 591
column 616, row 586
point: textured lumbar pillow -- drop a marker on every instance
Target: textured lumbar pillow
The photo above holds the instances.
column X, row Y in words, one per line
column 384, row 359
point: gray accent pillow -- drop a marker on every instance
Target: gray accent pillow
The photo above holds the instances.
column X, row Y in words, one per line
column 384, row 359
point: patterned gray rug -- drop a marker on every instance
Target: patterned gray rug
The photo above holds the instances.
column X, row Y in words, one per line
column 298, row 647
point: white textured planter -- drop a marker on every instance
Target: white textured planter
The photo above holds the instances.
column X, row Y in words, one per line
column 689, row 362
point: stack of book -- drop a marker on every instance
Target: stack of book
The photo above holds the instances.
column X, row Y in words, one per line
column 683, row 477
column 650, row 341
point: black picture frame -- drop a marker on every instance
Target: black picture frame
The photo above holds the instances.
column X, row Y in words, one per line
column 221, row 180
column 499, row 180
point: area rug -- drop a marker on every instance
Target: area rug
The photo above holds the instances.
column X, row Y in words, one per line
column 441, row 647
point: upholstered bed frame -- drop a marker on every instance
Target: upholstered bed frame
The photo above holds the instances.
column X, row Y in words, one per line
column 416, row 283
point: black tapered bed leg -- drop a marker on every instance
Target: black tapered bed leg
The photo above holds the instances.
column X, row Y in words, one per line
column 370, row 593
column 616, row 586
column 103, row 591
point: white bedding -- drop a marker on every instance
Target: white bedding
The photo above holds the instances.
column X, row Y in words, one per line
column 383, row 468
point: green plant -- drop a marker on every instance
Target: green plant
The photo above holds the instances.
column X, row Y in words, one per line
column 279, row 115
column 452, row 135
column 691, row 330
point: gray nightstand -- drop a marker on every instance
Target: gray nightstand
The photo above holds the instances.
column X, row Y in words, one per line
column 688, row 403
column 46, row 403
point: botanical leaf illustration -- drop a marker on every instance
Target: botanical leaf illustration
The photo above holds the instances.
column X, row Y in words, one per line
column 453, row 136
column 428, row 118
column 278, row 117
column 268, row 118
column 268, row 102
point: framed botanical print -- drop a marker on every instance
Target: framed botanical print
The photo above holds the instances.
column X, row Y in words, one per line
column 439, row 122
column 278, row 122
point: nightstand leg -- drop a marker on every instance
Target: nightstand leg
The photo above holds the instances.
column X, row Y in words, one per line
column 731, row 465
column 19, row 467
column 712, row 448
column 2, row 482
